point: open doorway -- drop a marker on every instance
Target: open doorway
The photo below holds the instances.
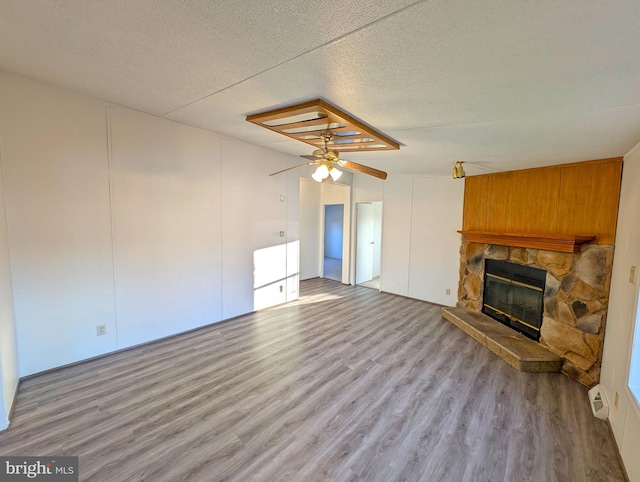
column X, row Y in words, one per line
column 333, row 241
column 368, row 240
column 315, row 231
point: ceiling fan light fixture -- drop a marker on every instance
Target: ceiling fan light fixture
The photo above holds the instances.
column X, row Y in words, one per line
column 458, row 170
column 325, row 158
column 316, row 177
column 321, row 173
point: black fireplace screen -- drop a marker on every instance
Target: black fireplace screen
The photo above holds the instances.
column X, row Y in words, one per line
column 513, row 295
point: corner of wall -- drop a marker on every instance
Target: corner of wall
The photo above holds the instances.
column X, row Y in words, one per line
column 9, row 364
column 632, row 151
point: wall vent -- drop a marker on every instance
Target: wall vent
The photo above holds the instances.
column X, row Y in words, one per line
column 599, row 402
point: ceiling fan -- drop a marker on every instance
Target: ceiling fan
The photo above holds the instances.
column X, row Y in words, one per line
column 327, row 161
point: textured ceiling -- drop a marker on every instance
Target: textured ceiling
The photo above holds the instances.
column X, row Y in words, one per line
column 499, row 84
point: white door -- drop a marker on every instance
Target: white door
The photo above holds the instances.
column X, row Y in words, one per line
column 365, row 242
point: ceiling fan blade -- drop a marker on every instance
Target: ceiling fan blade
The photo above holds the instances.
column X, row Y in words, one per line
column 312, row 158
column 354, row 166
column 294, row 167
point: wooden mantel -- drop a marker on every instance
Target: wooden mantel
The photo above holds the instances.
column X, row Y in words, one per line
column 566, row 243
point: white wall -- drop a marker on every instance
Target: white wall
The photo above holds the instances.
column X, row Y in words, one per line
column 292, row 206
column 310, row 216
column 56, row 182
column 4, row 417
column 625, row 418
column 119, row 218
column 9, row 366
column 420, row 243
column 166, row 222
column 436, row 215
column 253, row 218
column 367, row 189
column 396, row 234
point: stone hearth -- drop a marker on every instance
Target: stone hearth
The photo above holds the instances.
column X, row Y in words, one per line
column 517, row 350
column 575, row 299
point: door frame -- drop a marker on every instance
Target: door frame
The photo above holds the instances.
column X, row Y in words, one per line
column 336, row 193
column 377, row 207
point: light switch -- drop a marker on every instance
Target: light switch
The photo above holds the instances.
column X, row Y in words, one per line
column 282, row 234
column 632, row 274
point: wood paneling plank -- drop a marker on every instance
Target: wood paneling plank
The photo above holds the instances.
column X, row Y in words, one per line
column 589, row 197
column 475, row 203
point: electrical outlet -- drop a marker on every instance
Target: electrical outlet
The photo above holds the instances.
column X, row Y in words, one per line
column 101, row 330
column 616, row 399
column 448, row 291
column 632, row 274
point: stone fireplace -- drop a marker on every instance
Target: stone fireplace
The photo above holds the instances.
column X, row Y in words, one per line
column 575, row 298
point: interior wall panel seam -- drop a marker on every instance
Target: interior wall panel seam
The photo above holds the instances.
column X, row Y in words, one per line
column 112, row 220
column 220, row 236
column 413, row 187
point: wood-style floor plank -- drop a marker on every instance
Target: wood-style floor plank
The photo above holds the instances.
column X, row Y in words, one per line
column 346, row 384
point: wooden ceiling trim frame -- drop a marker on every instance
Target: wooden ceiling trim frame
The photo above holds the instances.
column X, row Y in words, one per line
column 329, row 115
column 358, row 136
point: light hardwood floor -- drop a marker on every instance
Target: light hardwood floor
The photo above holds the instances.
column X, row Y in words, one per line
column 345, row 384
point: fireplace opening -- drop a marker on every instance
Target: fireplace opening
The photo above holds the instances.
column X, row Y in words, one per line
column 513, row 295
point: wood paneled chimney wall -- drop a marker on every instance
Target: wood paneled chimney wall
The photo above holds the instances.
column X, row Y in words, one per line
column 569, row 199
